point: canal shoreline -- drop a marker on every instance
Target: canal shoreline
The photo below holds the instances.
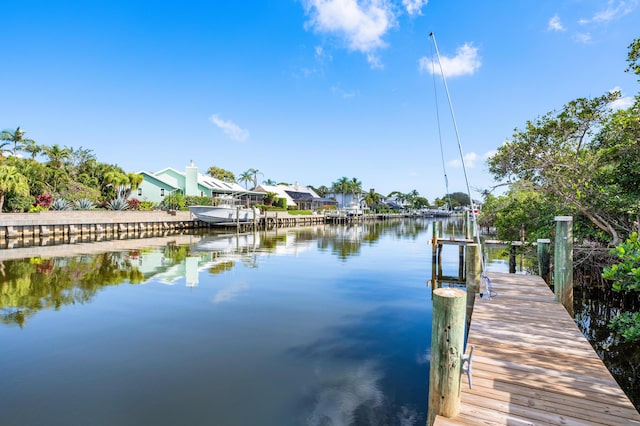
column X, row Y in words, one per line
column 32, row 227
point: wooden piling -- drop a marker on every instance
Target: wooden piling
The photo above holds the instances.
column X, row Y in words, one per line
column 447, row 349
column 544, row 258
column 473, row 264
column 467, row 225
column 512, row 259
column 473, row 267
column 563, row 262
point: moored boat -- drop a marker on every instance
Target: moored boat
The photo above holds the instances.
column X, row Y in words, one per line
column 226, row 212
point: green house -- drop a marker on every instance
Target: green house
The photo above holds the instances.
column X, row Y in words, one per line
column 156, row 186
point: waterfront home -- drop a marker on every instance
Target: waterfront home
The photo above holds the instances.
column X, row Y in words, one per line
column 301, row 197
column 156, row 186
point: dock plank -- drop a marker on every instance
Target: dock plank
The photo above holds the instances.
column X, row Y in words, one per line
column 533, row 366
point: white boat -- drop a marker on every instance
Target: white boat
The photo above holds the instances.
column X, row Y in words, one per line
column 353, row 209
column 226, row 212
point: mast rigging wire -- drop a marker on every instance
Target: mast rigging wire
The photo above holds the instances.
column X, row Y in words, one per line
column 464, row 168
column 435, row 91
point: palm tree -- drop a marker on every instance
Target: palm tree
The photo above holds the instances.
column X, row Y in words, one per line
column 322, row 190
column 222, row 174
column 12, row 181
column 372, row 198
column 341, row 186
column 135, row 179
column 355, row 188
column 246, row 177
column 269, row 182
column 116, row 178
column 3, row 149
column 16, row 137
column 411, row 197
column 56, row 154
column 32, row 148
column 255, row 173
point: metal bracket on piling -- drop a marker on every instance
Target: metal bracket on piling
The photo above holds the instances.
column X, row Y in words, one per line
column 466, row 366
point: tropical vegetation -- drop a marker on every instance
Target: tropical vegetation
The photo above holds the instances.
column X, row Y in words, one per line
column 66, row 178
column 582, row 161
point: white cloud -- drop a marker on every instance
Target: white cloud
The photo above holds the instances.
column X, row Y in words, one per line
column 361, row 24
column 489, row 154
column 615, row 9
column 231, row 129
column 625, row 102
column 469, row 161
column 582, row 37
column 374, row 61
column 465, row 62
column 344, row 94
column 555, row 24
column 414, row 7
column 322, row 55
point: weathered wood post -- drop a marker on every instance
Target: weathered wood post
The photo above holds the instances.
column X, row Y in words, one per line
column 434, row 254
column 473, row 266
column 544, row 258
column 461, row 264
column 447, row 349
column 512, row 259
column 563, row 262
column 467, row 225
column 474, row 224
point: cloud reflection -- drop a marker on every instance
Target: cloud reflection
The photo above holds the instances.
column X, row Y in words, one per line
column 361, row 373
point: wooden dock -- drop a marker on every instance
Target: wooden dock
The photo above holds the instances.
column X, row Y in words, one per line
column 532, row 365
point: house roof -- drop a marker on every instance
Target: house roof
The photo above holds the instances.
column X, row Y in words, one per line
column 213, row 184
column 218, row 185
column 152, row 176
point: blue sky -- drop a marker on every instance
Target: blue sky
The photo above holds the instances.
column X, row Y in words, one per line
column 305, row 90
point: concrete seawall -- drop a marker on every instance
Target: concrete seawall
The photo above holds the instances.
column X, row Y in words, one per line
column 67, row 223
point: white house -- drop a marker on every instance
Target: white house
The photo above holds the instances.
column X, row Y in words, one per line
column 302, row 197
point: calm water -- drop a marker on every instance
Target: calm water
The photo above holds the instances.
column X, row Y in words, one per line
column 315, row 326
column 319, row 326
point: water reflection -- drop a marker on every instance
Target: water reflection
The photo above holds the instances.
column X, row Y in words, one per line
column 352, row 363
column 60, row 276
column 299, row 326
column 593, row 309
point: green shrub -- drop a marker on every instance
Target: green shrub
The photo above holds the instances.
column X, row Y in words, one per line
column 148, row 205
column 627, row 324
column 625, row 277
column 174, row 202
column 197, row 201
column 14, row 202
column 280, row 202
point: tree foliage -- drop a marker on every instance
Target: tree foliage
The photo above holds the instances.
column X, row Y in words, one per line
column 633, row 58
column 625, row 276
column 12, row 182
column 558, row 155
column 222, row 174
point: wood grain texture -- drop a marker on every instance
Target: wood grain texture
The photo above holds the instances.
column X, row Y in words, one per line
column 533, row 366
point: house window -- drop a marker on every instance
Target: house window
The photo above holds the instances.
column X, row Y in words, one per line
column 139, row 192
column 162, row 192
